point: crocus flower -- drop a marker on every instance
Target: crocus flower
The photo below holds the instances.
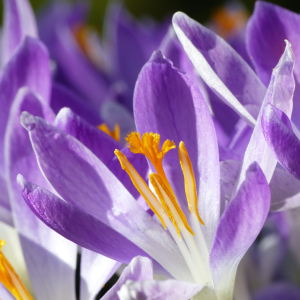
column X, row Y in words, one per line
column 169, row 103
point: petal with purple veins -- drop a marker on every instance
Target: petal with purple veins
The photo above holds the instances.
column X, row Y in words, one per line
column 240, row 224
column 168, row 102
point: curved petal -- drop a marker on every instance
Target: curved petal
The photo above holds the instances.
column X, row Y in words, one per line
column 103, row 146
column 224, row 71
column 168, row 102
column 95, row 271
column 50, row 259
column 139, row 269
column 84, row 181
column 281, row 139
column 100, row 143
column 80, row 227
column 240, row 224
column 280, row 93
column 161, row 290
column 19, row 21
column 28, row 67
column 268, row 27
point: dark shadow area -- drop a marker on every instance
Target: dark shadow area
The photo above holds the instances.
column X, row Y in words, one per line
column 107, row 286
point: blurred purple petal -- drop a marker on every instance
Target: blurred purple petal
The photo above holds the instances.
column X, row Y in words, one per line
column 114, row 113
column 99, row 194
column 63, row 97
column 19, row 21
column 139, row 269
column 238, row 227
column 168, row 102
column 132, row 43
column 95, row 271
column 28, row 67
column 41, row 246
column 57, row 33
column 278, row 291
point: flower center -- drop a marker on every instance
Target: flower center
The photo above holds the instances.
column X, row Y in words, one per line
column 10, row 279
column 166, row 207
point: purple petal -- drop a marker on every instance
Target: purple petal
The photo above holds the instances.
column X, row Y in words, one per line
column 167, row 102
column 80, row 227
column 132, row 44
column 19, row 21
column 224, row 71
column 28, row 67
column 139, row 269
column 238, row 228
column 280, row 94
column 103, row 146
column 278, row 291
column 51, row 270
column 72, row 63
column 100, row 143
column 95, row 271
column 64, row 97
column 161, row 290
column 267, row 29
column 281, row 139
column 84, row 181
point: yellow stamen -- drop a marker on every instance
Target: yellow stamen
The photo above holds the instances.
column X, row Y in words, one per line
column 148, row 145
column 114, row 134
column 189, row 181
column 10, row 279
column 141, row 186
column 171, row 206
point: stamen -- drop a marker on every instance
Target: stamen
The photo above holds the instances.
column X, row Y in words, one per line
column 189, row 181
column 149, row 146
column 166, row 198
column 114, row 134
column 142, row 187
column 10, row 279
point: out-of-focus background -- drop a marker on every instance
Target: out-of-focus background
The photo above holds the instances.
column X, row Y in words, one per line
column 201, row 10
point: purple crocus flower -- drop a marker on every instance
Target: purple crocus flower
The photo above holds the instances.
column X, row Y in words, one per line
column 168, row 102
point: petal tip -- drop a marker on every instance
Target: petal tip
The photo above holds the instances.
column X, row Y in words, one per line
column 27, row 121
